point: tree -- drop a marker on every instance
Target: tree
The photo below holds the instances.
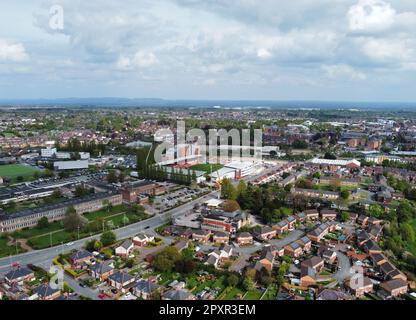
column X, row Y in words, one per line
column 74, row 221
column 227, row 190
column 43, row 223
column 345, row 194
column 344, row 216
column 407, row 232
column 112, row 177
column 230, row 206
column 232, row 280
column 248, row 284
column 167, row 259
column 108, row 238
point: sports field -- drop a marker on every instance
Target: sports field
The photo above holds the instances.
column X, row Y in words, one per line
column 207, row 167
column 15, row 170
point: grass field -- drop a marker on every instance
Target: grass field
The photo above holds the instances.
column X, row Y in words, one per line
column 207, row 167
column 15, row 170
column 6, row 250
column 253, row 295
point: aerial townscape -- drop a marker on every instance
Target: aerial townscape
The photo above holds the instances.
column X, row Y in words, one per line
column 325, row 211
column 195, row 158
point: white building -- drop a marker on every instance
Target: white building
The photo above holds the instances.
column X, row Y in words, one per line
column 242, row 169
column 71, row 165
column 48, row 152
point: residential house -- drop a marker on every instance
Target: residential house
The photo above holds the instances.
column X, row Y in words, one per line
column 394, row 288
column 201, row 235
column 125, row 249
column 221, row 237
column 378, row 259
column 178, row 295
column 328, row 214
column 101, row 270
column 309, row 270
column 312, row 214
column 301, row 217
column 142, row 239
column 120, row 280
column 265, row 233
column 327, row 254
column 244, row 239
column 305, row 243
column 281, row 227
column 372, row 247
column 45, row 292
column 291, row 221
column 362, row 220
column 359, row 287
column 293, row 249
column 19, row 276
column 79, row 258
column 145, row 288
column 266, row 260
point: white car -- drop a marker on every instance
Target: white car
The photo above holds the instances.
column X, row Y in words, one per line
column 69, row 244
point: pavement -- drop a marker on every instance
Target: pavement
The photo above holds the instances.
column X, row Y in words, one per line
column 345, row 266
column 44, row 257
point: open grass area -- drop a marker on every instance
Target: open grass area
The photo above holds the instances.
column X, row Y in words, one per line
column 231, row 293
column 271, row 293
column 6, row 250
column 15, row 170
column 253, row 295
column 62, row 236
column 208, row 168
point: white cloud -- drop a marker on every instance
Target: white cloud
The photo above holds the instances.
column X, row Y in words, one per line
column 141, row 59
column 344, row 71
column 263, row 53
column 10, row 51
column 371, row 15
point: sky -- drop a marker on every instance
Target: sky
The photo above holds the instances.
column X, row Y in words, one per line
column 343, row 50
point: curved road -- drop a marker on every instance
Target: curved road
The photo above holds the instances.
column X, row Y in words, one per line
column 45, row 257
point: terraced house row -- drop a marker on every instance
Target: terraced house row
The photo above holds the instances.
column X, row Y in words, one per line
column 30, row 217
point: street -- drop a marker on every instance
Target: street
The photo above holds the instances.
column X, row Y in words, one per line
column 44, row 258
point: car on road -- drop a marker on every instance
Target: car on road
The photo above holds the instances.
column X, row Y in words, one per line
column 146, row 227
column 69, row 244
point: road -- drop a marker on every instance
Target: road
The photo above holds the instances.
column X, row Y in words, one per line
column 44, row 258
column 345, row 267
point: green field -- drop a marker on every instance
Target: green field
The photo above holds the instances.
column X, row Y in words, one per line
column 6, row 250
column 253, row 295
column 15, row 170
column 207, row 167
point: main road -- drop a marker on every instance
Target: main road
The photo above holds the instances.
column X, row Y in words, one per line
column 45, row 257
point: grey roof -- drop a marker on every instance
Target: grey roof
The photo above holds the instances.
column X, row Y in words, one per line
column 44, row 290
column 126, row 244
column 80, row 254
column 121, row 277
column 177, row 295
column 101, row 268
column 18, row 273
column 146, row 286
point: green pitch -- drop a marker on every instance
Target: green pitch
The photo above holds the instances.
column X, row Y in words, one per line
column 207, row 167
column 15, row 170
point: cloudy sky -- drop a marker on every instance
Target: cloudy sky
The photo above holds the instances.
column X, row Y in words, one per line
column 360, row 50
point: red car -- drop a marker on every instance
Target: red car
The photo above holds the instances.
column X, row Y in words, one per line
column 101, row 296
